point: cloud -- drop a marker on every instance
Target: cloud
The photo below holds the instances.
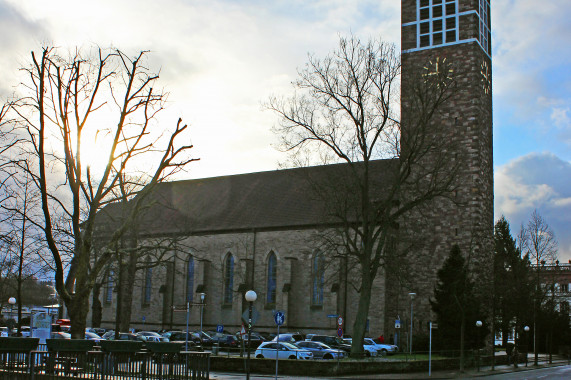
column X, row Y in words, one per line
column 536, row 181
column 532, row 79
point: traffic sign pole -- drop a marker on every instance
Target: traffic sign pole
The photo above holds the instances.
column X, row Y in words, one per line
column 279, row 318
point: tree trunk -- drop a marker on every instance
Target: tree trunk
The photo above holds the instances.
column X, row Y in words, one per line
column 128, row 285
column 362, row 313
column 462, row 328
column 77, row 308
column 96, row 309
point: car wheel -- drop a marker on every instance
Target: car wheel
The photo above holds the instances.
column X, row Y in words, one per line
column 384, row 352
column 327, row 356
column 259, row 356
column 292, row 357
column 367, row 354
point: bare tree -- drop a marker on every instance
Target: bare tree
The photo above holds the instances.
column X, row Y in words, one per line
column 346, row 110
column 538, row 242
column 68, row 101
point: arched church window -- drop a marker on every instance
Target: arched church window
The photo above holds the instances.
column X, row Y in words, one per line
column 109, row 286
column 272, row 278
column 318, row 278
column 148, row 284
column 189, row 279
column 228, row 278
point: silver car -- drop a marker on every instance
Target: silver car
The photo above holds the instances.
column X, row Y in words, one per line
column 283, row 350
column 321, row 350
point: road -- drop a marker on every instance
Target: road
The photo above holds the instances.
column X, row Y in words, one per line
column 563, row 372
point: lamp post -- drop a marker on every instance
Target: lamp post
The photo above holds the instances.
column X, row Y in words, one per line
column 250, row 297
column 478, row 326
column 526, row 329
column 202, row 295
column 412, row 295
column 12, row 302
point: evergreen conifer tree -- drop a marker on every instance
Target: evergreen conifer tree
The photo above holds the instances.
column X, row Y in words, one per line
column 456, row 306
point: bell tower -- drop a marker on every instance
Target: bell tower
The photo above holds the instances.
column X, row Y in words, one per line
column 456, row 32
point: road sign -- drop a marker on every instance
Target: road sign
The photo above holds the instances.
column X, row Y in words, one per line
column 340, row 332
column 243, row 330
column 332, row 315
column 397, row 324
column 279, row 318
column 143, row 319
column 219, row 328
column 340, row 321
column 255, row 316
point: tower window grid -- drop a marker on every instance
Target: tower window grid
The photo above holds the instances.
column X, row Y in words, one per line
column 437, row 22
column 484, row 22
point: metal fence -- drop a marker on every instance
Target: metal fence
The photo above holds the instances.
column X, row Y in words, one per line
column 40, row 365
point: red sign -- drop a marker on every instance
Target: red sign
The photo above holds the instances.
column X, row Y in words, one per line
column 63, row 322
column 340, row 332
column 243, row 331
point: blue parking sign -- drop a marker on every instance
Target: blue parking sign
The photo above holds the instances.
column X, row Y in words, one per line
column 219, row 328
column 279, row 318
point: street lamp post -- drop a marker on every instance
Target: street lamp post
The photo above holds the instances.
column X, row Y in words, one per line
column 412, row 295
column 202, row 295
column 250, row 297
column 479, row 326
column 12, row 302
column 526, row 329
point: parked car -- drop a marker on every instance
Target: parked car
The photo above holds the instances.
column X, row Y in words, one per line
column 92, row 336
column 4, row 331
column 332, row 341
column 180, row 336
column 383, row 348
column 368, row 348
column 110, row 335
column 151, row 336
column 283, row 350
column 225, row 340
column 60, row 335
column 321, row 350
column 255, row 339
column 288, row 337
column 206, row 338
column 309, row 336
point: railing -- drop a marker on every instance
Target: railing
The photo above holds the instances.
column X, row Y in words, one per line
column 42, row 365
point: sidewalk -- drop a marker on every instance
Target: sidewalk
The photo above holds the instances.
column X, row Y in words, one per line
column 446, row 374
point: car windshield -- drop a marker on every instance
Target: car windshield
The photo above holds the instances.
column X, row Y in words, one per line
column 290, row 346
column 369, row 341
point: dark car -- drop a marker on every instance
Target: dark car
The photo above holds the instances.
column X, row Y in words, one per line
column 255, row 340
column 289, row 337
column 332, row 341
column 181, row 337
column 225, row 340
column 110, row 335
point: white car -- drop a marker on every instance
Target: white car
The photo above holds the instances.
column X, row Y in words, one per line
column 370, row 349
column 284, row 350
column 150, row 336
column 382, row 348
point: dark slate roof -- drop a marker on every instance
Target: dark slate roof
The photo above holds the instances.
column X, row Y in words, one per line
column 265, row 200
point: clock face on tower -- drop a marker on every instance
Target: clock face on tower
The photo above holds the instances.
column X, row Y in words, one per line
column 486, row 77
column 437, row 68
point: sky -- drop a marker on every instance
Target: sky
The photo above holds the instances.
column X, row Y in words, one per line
column 220, row 60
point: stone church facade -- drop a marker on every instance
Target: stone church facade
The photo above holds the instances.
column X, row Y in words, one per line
column 259, row 231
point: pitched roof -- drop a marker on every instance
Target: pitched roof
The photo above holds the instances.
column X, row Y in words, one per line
column 265, row 200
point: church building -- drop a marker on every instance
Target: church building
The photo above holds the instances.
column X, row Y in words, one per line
column 258, row 231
